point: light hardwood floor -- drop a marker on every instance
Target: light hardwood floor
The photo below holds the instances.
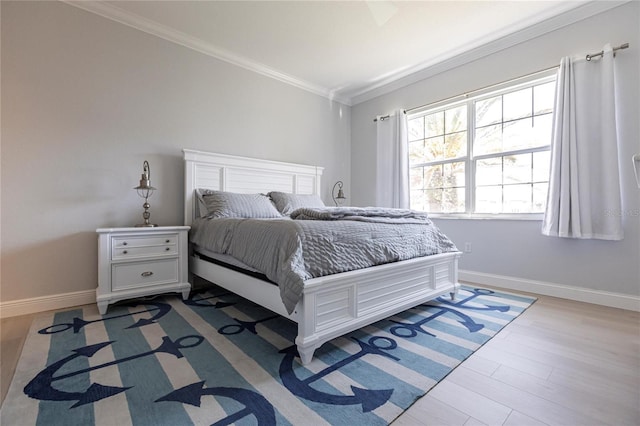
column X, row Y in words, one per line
column 559, row 363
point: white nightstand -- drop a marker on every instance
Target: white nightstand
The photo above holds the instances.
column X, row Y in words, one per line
column 134, row 262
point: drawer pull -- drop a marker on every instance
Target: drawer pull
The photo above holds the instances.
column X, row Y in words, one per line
column 124, row 243
column 125, row 252
column 167, row 241
column 167, row 249
column 147, row 274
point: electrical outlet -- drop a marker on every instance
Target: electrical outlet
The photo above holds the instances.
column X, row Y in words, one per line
column 467, row 247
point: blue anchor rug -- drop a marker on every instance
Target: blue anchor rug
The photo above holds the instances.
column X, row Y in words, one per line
column 217, row 359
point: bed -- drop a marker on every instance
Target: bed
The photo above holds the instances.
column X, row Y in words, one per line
column 329, row 306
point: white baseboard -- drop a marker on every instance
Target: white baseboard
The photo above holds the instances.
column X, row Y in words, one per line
column 616, row 300
column 46, row 303
column 598, row 297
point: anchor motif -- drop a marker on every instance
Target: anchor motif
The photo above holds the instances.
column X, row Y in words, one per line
column 78, row 323
column 41, row 386
column 369, row 399
column 242, row 326
column 410, row 330
column 475, row 293
column 255, row 404
column 196, row 302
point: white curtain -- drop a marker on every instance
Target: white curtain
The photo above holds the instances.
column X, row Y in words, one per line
column 392, row 165
column 584, row 185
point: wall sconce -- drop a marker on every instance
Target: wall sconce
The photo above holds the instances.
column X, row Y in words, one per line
column 338, row 199
column 145, row 190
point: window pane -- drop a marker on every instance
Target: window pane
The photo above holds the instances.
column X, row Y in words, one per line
column 433, row 177
column 489, row 171
column 488, row 140
column 453, row 200
column 489, row 199
column 453, row 175
column 517, row 104
column 416, row 178
column 489, row 111
column 517, row 169
column 455, row 119
column 455, row 145
column 433, row 200
column 542, row 130
column 539, row 197
column 541, row 163
column 416, row 152
column 418, row 200
column 518, row 134
column 543, row 98
column 517, row 198
column 416, row 128
column 434, row 148
column 434, row 124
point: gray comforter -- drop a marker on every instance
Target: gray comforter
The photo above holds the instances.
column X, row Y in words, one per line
column 291, row 251
column 364, row 214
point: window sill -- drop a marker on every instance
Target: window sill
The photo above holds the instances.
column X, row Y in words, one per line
column 487, row 216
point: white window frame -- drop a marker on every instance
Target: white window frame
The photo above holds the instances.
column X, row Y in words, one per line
column 470, row 160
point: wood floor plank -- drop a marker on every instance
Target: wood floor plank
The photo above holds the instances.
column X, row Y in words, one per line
column 517, row 399
column 606, row 408
column 516, row 418
column 493, row 352
column 472, row 402
column 431, row 411
column 13, row 333
column 602, row 363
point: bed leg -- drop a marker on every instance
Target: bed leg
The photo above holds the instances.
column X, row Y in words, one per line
column 454, row 293
column 306, row 354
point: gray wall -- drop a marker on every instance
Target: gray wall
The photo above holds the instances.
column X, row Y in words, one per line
column 516, row 248
column 86, row 100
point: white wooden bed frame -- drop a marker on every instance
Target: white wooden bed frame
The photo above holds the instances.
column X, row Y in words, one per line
column 333, row 305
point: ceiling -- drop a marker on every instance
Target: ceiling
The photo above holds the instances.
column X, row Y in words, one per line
column 340, row 49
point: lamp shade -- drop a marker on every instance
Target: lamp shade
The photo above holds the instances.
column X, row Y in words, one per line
column 337, row 199
column 145, row 190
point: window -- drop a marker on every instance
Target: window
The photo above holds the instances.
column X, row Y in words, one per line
column 486, row 154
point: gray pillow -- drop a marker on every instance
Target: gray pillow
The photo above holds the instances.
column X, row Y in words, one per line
column 230, row 204
column 287, row 203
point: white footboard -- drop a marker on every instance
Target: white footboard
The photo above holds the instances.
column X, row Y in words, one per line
column 337, row 304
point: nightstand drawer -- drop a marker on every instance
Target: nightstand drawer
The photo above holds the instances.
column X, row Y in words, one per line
column 131, row 247
column 134, row 252
column 132, row 241
column 141, row 274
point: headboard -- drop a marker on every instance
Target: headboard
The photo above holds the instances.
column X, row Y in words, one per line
column 243, row 175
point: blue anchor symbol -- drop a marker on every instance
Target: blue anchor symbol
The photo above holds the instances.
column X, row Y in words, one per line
column 242, row 326
column 255, row 404
column 411, row 330
column 197, row 302
column 40, row 387
column 369, row 399
column 475, row 293
column 78, row 323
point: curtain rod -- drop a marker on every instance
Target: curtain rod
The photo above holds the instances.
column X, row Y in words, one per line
column 467, row 94
column 591, row 56
column 384, row 117
column 472, row 92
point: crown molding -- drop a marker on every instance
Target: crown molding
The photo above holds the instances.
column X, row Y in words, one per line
column 132, row 20
column 557, row 18
column 484, row 47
